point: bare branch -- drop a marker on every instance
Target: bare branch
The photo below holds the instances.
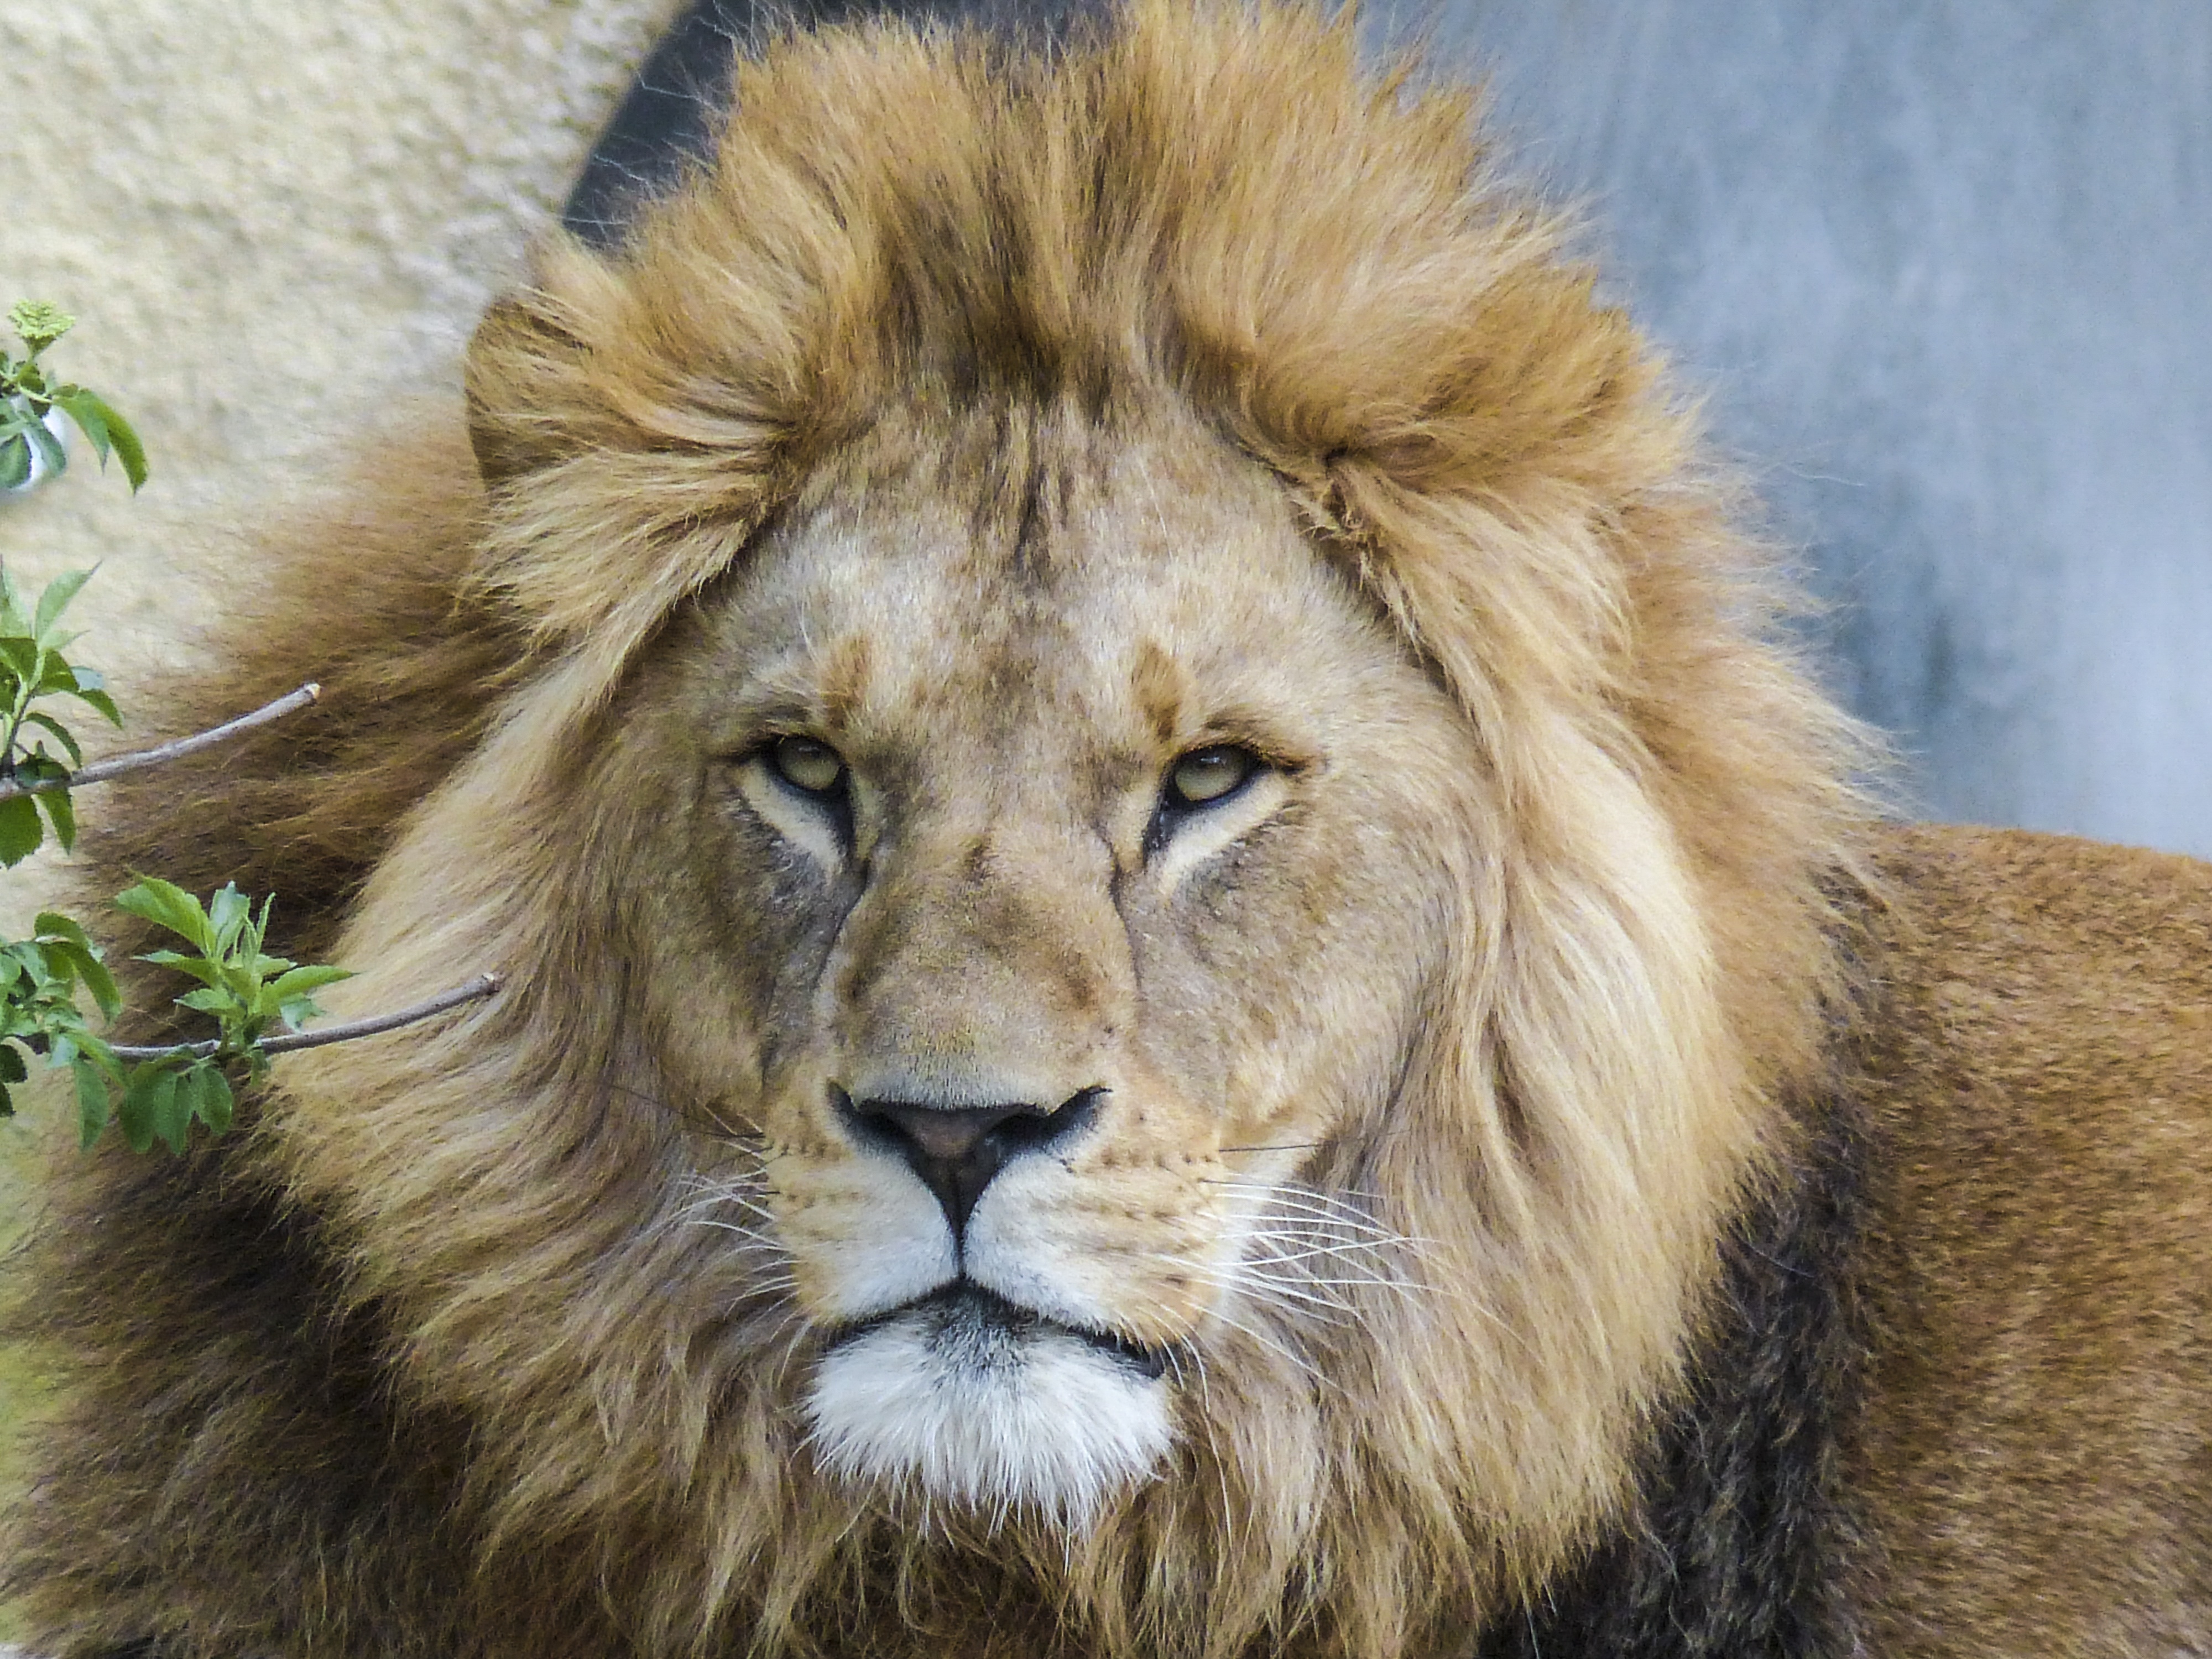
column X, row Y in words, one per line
column 115, row 766
column 481, row 985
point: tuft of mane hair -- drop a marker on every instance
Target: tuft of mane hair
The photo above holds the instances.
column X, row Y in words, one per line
column 1764, row 1158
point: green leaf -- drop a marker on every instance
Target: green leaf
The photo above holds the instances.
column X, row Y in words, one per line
column 84, row 409
column 48, row 447
column 300, row 981
column 228, row 912
column 61, row 734
column 262, row 968
column 102, row 983
column 208, row 973
column 215, row 1105
column 63, row 936
column 290, row 996
column 167, row 905
column 208, row 1001
column 52, row 924
column 19, row 834
column 103, row 1057
column 14, row 461
column 172, row 1110
column 19, row 652
column 92, row 1108
column 128, row 449
column 55, row 599
column 39, row 767
column 134, row 1113
column 38, row 323
column 55, row 674
column 61, row 814
column 96, row 698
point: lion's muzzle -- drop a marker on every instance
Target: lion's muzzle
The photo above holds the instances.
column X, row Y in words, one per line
column 957, row 1150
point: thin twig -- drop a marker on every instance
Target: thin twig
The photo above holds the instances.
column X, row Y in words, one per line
column 481, row 985
column 115, row 766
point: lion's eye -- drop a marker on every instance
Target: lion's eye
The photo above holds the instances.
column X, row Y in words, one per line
column 1212, row 774
column 811, row 767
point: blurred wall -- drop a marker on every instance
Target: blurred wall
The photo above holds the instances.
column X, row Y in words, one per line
column 1942, row 270
column 274, row 219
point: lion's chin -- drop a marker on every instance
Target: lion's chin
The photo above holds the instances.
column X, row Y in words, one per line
column 963, row 1399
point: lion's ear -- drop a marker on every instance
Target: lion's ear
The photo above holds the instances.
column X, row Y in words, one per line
column 515, row 359
column 531, row 374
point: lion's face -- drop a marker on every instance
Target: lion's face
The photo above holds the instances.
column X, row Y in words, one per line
column 1201, row 948
column 1054, row 886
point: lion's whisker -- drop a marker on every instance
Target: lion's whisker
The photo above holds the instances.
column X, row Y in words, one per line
column 1349, row 1229
column 1290, row 1299
column 713, row 1201
column 774, row 1283
column 1298, row 1363
column 1253, row 1294
column 1319, row 1200
column 1311, row 1246
column 711, row 1191
column 743, row 1137
column 750, row 1239
column 1339, row 1231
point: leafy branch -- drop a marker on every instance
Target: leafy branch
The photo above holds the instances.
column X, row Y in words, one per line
column 39, row 1011
column 241, row 986
column 468, row 990
column 257, row 1001
column 33, row 670
column 156, row 1091
column 32, row 402
column 116, row 766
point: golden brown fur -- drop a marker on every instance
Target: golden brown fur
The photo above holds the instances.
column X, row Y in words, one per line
column 2038, row 1463
column 1200, row 390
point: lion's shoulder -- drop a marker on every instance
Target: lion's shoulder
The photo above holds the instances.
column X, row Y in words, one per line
column 2036, row 951
column 2039, row 1077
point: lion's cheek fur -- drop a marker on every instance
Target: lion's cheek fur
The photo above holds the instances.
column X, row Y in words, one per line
column 622, row 1375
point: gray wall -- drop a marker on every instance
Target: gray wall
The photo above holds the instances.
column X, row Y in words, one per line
column 1943, row 270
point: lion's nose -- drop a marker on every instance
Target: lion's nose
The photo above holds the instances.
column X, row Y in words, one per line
column 958, row 1149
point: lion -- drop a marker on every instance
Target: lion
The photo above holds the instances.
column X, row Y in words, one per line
column 1189, row 971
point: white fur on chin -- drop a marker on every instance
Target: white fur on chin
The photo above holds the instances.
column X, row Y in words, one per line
column 984, row 1417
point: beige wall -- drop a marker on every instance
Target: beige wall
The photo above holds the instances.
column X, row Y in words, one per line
column 272, row 217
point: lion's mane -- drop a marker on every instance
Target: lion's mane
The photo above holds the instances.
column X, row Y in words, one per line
column 512, row 1396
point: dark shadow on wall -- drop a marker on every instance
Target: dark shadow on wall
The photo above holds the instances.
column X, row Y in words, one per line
column 1937, row 267
column 665, row 120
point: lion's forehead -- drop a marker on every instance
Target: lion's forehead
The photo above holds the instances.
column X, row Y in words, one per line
column 1111, row 592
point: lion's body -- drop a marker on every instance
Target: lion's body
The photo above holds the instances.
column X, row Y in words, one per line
column 1185, row 978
